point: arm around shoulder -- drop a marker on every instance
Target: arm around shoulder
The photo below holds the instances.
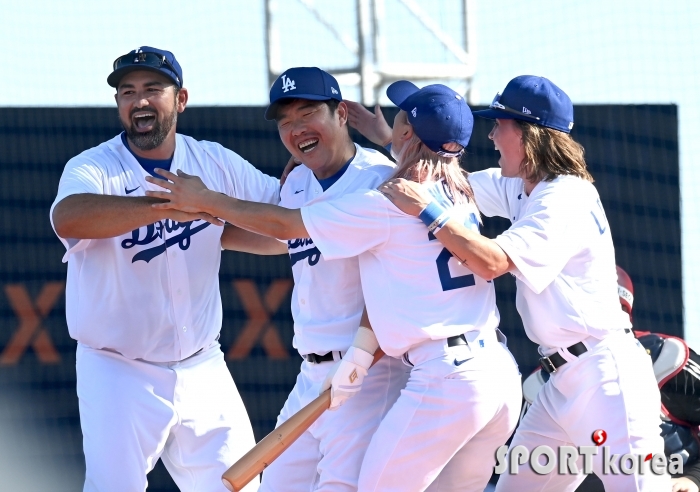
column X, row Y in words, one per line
column 481, row 255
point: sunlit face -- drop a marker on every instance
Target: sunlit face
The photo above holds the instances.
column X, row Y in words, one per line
column 312, row 133
column 148, row 107
column 507, row 138
column 400, row 133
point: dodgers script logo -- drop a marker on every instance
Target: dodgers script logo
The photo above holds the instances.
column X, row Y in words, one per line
column 155, row 231
column 313, row 254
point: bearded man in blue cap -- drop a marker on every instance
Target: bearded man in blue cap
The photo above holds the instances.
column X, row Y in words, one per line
column 142, row 297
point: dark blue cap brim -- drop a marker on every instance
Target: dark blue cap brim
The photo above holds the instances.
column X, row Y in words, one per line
column 117, row 75
column 492, row 114
column 399, row 91
column 271, row 111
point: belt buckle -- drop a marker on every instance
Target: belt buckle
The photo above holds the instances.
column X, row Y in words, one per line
column 547, row 365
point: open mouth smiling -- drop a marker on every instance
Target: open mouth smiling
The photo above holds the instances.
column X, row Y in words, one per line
column 144, row 121
column 308, row 145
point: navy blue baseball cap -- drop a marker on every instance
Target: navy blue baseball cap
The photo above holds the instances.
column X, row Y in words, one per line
column 302, row 83
column 146, row 58
column 533, row 99
column 437, row 114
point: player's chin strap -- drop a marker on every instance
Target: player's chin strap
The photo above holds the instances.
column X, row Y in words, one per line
column 346, row 376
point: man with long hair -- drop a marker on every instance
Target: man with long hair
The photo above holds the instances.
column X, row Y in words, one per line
column 560, row 250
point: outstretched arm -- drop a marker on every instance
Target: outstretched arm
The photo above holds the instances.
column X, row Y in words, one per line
column 372, row 126
column 92, row 216
column 236, row 239
column 481, row 255
column 189, row 194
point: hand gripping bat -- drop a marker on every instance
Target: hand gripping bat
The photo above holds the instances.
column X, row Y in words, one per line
column 273, row 445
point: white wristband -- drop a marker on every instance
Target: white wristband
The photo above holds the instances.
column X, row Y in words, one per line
column 359, row 357
column 366, row 340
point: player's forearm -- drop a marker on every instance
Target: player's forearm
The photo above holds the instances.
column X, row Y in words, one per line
column 91, row 216
column 236, row 239
column 481, row 255
column 261, row 218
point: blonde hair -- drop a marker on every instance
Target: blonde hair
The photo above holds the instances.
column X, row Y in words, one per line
column 416, row 162
column 550, row 153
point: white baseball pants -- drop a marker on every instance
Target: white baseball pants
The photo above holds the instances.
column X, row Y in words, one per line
column 611, row 387
column 133, row 412
column 460, row 404
column 327, row 457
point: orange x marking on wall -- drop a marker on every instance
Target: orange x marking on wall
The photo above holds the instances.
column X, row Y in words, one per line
column 259, row 325
column 30, row 316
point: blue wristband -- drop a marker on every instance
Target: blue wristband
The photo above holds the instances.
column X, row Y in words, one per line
column 388, row 147
column 431, row 213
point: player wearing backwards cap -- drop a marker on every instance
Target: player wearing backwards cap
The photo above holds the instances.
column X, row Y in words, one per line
column 462, row 398
column 142, row 296
column 560, row 250
column 327, row 301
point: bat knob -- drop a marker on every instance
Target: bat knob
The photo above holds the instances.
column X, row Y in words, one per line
column 227, row 484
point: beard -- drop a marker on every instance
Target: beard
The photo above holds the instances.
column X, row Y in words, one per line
column 153, row 138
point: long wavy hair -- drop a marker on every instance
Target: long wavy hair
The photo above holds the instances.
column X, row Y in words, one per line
column 550, row 153
column 416, row 162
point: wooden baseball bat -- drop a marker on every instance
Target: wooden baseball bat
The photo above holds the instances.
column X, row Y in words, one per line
column 273, row 445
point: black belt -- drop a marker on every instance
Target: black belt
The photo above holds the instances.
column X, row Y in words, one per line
column 553, row 362
column 317, row 359
column 451, row 342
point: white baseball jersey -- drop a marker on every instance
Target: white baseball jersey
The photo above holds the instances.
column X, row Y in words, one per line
column 153, row 293
column 414, row 289
column 327, row 300
column 561, row 245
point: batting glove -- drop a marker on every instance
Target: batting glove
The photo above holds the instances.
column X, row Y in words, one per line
column 346, row 376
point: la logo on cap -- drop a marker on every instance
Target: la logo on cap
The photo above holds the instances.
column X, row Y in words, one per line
column 288, row 84
column 414, row 112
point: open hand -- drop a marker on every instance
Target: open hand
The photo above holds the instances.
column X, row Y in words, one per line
column 372, row 126
column 408, row 196
column 186, row 193
column 291, row 164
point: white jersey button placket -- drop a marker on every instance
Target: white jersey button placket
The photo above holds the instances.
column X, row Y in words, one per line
column 180, row 294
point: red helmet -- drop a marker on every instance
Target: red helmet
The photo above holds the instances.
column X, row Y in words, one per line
column 625, row 289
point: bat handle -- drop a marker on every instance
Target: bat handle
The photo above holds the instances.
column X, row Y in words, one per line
column 271, row 446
